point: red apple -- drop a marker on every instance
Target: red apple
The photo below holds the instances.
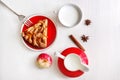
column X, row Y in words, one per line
column 44, row 60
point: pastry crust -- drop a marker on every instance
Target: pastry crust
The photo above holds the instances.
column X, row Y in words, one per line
column 36, row 35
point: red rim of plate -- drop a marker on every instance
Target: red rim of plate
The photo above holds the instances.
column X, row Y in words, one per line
column 61, row 61
column 51, row 31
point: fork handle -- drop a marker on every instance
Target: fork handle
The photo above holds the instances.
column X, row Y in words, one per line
column 9, row 8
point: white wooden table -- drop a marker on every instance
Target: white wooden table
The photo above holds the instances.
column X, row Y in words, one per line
column 103, row 48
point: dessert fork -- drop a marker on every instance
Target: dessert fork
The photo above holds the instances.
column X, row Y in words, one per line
column 20, row 17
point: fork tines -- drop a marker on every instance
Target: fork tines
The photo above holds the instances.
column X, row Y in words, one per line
column 28, row 23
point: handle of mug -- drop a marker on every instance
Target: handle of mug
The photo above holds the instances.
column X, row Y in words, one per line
column 85, row 67
column 59, row 55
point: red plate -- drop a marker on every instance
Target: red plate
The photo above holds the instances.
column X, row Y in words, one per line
column 61, row 61
column 51, row 31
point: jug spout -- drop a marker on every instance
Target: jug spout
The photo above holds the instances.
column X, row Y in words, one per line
column 59, row 55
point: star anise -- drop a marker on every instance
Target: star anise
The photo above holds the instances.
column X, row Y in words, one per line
column 87, row 22
column 84, row 38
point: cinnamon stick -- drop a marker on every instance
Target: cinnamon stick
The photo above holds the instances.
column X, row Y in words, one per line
column 76, row 42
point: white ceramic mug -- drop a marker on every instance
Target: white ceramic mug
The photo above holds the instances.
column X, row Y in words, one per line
column 73, row 62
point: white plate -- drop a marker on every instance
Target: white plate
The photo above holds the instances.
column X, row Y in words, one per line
column 70, row 15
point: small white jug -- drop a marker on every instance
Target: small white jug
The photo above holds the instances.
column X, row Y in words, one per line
column 73, row 62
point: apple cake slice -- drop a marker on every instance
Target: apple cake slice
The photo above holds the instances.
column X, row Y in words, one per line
column 36, row 35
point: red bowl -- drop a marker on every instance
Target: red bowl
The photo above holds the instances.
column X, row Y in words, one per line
column 67, row 51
